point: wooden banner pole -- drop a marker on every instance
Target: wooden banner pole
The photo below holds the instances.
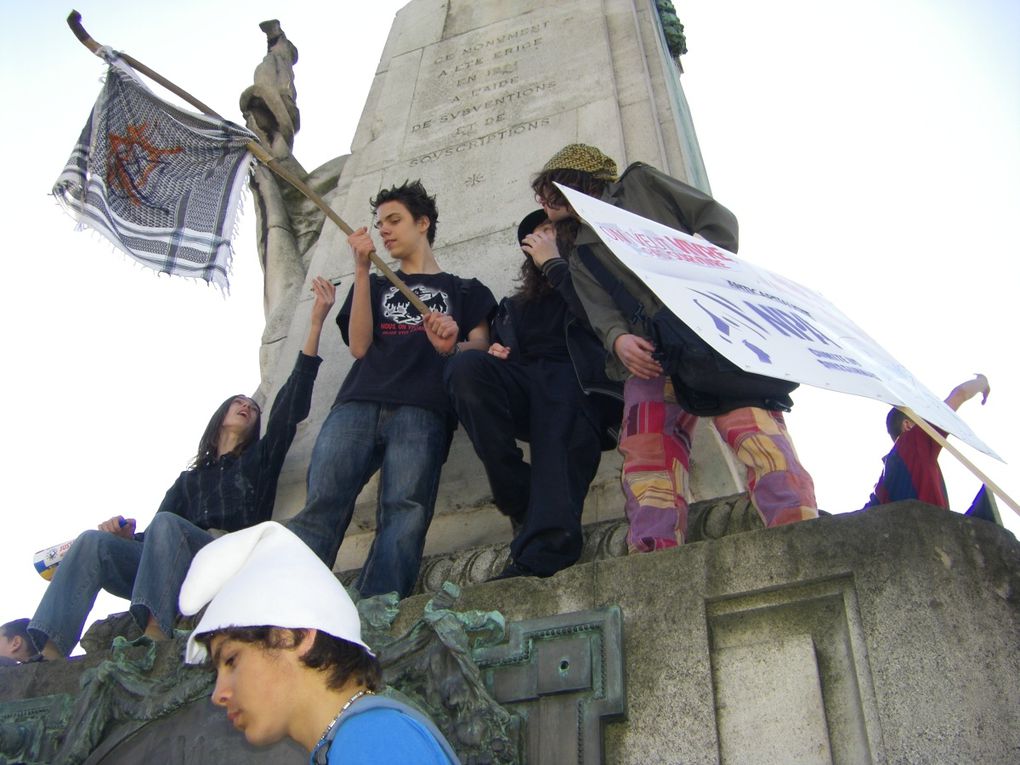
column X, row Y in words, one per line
column 941, row 440
column 257, row 149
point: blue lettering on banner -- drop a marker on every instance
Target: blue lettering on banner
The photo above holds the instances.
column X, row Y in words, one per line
column 847, row 368
column 724, row 322
column 841, row 363
column 790, row 324
column 760, row 293
column 734, row 323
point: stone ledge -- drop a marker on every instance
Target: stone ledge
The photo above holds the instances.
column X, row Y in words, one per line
column 710, row 519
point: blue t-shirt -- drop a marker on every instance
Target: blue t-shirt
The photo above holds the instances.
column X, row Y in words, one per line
column 384, row 737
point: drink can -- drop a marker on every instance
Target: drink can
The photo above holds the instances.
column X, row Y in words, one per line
column 46, row 561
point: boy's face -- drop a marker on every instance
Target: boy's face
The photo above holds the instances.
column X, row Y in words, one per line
column 556, row 214
column 257, row 686
column 401, row 234
column 554, row 203
column 13, row 648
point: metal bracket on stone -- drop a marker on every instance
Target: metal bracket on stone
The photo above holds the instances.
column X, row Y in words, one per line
column 564, row 675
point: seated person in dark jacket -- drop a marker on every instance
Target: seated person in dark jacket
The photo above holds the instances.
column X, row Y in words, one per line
column 232, row 485
column 540, row 381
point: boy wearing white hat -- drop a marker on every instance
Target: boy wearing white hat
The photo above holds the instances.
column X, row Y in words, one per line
column 285, row 640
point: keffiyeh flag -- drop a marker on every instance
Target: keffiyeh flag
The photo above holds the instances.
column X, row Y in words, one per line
column 161, row 183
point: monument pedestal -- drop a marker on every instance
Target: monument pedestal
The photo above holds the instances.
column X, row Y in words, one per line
column 887, row 635
column 883, row 636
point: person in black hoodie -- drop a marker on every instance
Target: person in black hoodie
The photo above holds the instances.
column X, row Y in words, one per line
column 542, row 381
column 230, row 486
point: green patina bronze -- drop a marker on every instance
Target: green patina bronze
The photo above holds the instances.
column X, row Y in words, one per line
column 456, row 666
column 672, row 28
column 431, row 665
column 29, row 728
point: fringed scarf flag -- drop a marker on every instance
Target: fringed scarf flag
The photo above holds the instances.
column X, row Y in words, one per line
column 161, row 183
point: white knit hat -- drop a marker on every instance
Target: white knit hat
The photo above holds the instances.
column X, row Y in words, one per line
column 265, row 576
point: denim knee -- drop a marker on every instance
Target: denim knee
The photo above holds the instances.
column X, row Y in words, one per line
column 171, row 542
column 89, row 545
column 163, row 524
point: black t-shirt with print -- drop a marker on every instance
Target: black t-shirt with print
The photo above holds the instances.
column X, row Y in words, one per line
column 401, row 366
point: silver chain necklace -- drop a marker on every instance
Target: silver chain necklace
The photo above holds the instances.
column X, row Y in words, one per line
column 351, row 700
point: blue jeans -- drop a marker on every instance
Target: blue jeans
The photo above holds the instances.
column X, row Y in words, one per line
column 149, row 572
column 408, row 444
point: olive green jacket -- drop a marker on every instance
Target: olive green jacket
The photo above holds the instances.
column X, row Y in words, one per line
column 652, row 194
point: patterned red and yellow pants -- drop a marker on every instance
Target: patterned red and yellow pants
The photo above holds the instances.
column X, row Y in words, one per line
column 656, row 445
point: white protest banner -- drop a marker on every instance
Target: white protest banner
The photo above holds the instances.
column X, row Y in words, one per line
column 761, row 321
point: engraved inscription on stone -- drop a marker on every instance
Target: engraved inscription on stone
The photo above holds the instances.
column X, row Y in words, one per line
column 510, row 78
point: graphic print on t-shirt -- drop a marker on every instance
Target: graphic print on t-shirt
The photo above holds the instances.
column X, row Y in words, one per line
column 398, row 309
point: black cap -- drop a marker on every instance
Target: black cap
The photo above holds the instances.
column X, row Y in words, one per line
column 531, row 221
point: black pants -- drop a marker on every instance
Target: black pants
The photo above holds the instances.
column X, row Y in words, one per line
column 541, row 402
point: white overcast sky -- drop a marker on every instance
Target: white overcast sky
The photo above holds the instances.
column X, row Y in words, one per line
column 871, row 151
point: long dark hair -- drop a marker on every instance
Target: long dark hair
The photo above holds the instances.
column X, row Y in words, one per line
column 532, row 282
column 586, row 183
column 208, row 445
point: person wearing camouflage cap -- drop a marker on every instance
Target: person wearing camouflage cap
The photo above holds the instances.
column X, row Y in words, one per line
column 583, row 158
column 669, row 384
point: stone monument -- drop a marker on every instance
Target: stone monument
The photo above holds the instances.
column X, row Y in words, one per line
column 472, row 97
column 883, row 636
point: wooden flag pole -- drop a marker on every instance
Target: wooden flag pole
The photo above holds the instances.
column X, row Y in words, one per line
column 941, row 441
column 258, row 151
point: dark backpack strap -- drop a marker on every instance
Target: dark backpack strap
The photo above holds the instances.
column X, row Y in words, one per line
column 706, row 383
column 629, row 305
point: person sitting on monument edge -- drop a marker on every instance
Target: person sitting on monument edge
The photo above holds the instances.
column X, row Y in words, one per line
column 285, row 640
column 542, row 380
column 16, row 647
column 661, row 406
column 230, row 485
column 911, row 469
column 392, row 412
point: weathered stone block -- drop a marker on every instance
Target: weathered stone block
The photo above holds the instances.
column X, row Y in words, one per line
column 769, row 703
